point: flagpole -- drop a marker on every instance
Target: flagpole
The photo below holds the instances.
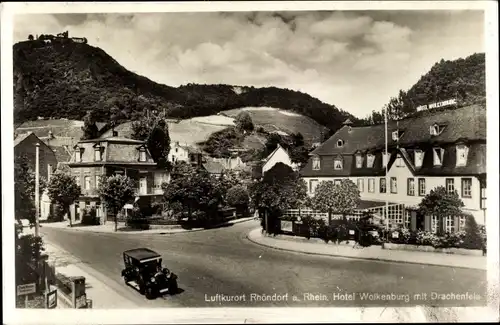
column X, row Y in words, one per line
column 387, row 185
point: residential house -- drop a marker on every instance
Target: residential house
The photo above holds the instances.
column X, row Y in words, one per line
column 214, row 168
column 183, row 152
column 278, row 155
column 234, row 163
column 25, row 145
column 446, row 148
column 93, row 159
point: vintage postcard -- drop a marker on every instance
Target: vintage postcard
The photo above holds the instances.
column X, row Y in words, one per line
column 250, row 162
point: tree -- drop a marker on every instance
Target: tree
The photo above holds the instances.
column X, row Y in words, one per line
column 244, row 121
column 342, row 198
column 30, row 37
column 89, row 127
column 281, row 188
column 158, row 143
column 237, row 196
column 196, row 192
column 441, row 203
column 116, row 191
column 24, row 189
column 63, row 190
column 27, row 252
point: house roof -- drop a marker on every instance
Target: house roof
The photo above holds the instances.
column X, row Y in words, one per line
column 467, row 123
column 62, row 154
column 278, row 147
column 113, row 139
column 213, row 167
column 142, row 253
column 21, row 137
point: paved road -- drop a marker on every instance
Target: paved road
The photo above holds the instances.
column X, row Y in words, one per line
column 222, row 261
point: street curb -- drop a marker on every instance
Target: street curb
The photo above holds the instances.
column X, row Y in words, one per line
column 255, row 241
column 146, row 232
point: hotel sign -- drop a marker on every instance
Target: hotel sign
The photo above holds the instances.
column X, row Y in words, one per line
column 449, row 102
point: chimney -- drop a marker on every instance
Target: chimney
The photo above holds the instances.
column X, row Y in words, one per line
column 348, row 122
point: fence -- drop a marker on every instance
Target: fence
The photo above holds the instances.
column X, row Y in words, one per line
column 396, row 214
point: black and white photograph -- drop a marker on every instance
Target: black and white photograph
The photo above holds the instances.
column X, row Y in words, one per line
column 250, row 162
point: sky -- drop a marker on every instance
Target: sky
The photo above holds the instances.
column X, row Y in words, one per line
column 355, row 60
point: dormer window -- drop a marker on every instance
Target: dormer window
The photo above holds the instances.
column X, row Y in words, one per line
column 98, row 152
column 359, row 161
column 419, row 158
column 396, row 135
column 338, row 164
column 316, row 164
column 462, row 153
column 142, row 153
column 78, row 154
column 436, row 129
column 340, row 143
column 438, row 154
column 385, row 158
column 370, row 159
column 399, row 161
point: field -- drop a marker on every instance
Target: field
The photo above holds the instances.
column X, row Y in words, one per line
column 273, row 119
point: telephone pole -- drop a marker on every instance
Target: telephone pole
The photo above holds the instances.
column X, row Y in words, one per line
column 37, row 189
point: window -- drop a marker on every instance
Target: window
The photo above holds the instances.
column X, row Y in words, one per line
column 395, row 135
column 449, row 224
column 467, row 187
column 461, row 223
column 399, row 161
column 383, row 185
column 336, row 182
column 407, row 223
column 421, row 186
column 436, row 129
column 98, row 209
column 450, row 185
column 340, row 143
column 86, row 182
column 371, row 185
column 369, row 160
column 361, row 184
column 411, row 187
column 78, row 154
column 97, row 180
column 97, row 153
column 359, row 161
column 176, row 150
column 312, row 185
column 438, row 156
column 483, row 197
column 385, row 158
column 316, row 163
column 142, row 154
column 434, row 224
column 394, row 185
column 462, row 152
column 337, row 163
column 419, row 158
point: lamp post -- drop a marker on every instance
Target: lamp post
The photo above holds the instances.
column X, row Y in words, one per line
column 37, row 189
column 387, row 185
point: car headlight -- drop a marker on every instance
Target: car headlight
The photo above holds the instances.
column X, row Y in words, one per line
column 153, row 279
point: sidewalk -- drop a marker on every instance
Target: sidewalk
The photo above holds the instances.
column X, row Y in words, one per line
column 101, row 294
column 317, row 247
column 109, row 227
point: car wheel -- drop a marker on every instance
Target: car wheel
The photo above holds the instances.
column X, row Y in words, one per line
column 173, row 288
column 150, row 293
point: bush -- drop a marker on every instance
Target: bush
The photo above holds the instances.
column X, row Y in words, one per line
column 135, row 220
column 473, row 238
column 89, row 217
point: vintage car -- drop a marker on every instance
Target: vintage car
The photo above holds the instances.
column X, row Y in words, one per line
column 144, row 272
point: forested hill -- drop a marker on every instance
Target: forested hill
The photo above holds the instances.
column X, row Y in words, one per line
column 461, row 79
column 64, row 79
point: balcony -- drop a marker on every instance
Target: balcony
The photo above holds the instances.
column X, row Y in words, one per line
column 148, row 191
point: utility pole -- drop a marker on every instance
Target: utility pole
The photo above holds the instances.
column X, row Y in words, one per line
column 37, row 189
column 387, row 185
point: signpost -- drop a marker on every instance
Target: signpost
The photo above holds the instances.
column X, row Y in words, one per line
column 449, row 102
column 25, row 290
column 51, row 299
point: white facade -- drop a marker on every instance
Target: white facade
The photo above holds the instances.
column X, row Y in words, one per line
column 178, row 153
column 400, row 175
column 279, row 155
